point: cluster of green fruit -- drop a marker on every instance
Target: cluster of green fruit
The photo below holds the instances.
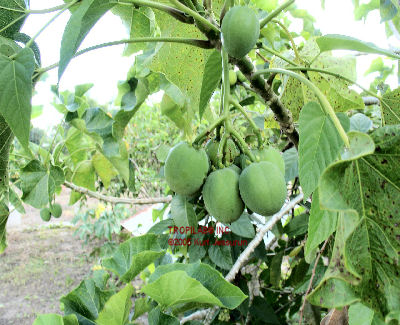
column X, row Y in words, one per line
column 55, row 210
column 261, row 186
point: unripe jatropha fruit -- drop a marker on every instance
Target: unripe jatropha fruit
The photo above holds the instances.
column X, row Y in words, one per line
column 241, row 76
column 15, row 9
column 56, row 210
column 232, row 77
column 273, row 156
column 221, row 195
column 186, row 168
column 240, row 31
column 212, row 151
column 262, row 188
column 45, row 214
column 235, row 169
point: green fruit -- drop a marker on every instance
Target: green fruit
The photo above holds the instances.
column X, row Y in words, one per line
column 235, row 169
column 212, row 151
column 56, row 210
column 221, row 195
column 185, row 169
column 240, row 31
column 241, row 76
column 232, row 77
column 273, row 156
column 15, row 9
column 263, row 188
column 45, row 214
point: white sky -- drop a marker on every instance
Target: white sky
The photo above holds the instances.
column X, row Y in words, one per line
column 106, row 66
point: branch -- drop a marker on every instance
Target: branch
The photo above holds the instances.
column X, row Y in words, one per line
column 265, row 91
column 116, row 200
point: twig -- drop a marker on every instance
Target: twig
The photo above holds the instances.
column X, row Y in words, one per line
column 117, row 200
column 311, row 280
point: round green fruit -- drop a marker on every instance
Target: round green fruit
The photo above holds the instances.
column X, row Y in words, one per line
column 241, row 76
column 45, row 214
column 273, row 156
column 185, row 169
column 56, row 210
column 212, row 151
column 263, row 188
column 221, row 195
column 235, row 169
column 232, row 77
column 240, row 31
column 15, row 9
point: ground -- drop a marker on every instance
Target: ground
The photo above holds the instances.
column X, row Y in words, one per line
column 43, row 262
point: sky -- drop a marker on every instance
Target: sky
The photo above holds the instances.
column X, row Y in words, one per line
column 105, row 67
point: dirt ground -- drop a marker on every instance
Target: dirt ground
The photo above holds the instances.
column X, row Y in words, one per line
column 43, row 261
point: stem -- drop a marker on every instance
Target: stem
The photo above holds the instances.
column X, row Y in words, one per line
column 170, row 10
column 242, row 144
column 195, row 15
column 45, row 11
column 189, row 3
column 296, row 53
column 249, row 119
column 272, row 51
column 220, row 152
column 321, row 97
column 275, row 13
column 194, row 42
column 207, row 131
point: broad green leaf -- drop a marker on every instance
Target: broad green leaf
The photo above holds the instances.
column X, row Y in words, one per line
column 16, row 92
column 81, row 22
column 15, row 201
column 116, row 152
column 319, row 145
column 390, row 106
column 138, row 23
column 180, row 115
column 177, row 287
column 133, row 256
column 221, row 255
column 243, row 226
column 360, row 315
column 103, row 168
column 117, row 308
column 39, row 184
column 360, row 145
column 160, row 227
column 211, row 79
column 78, row 145
column 4, row 213
column 360, row 122
column 84, row 176
column 54, row 319
column 229, row 295
column 85, row 301
column 342, row 42
column 291, row 159
column 388, row 9
column 157, row 317
column 297, row 226
column 321, row 225
column 275, row 269
column 142, row 306
column 196, row 250
column 368, row 185
column 182, row 212
column 362, row 11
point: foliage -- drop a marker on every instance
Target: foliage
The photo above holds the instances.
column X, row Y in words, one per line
column 293, row 94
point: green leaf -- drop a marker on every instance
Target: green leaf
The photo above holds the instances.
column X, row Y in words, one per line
column 243, row 226
column 4, row 213
column 221, row 255
column 54, row 319
column 229, row 295
column 360, row 145
column 117, row 308
column 297, row 226
column 367, row 185
column 211, row 79
column 157, row 317
column 388, row 10
column 16, row 92
column 176, row 287
column 275, row 269
column 84, row 176
column 142, row 306
column 390, row 105
column 133, row 256
column 81, row 22
column 15, row 201
column 162, row 226
column 85, row 301
column 360, row 122
column 321, row 225
column 78, row 145
column 360, row 315
column 116, row 152
column 196, row 251
column 104, row 169
column 39, row 184
column 341, row 42
column 291, row 159
column 182, row 212
column 319, row 145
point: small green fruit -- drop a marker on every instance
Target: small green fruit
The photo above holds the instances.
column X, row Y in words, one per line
column 274, row 156
column 221, row 195
column 56, row 210
column 212, row 151
column 241, row 76
column 235, row 169
column 186, row 169
column 45, row 214
column 232, row 77
column 240, row 31
column 263, row 188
